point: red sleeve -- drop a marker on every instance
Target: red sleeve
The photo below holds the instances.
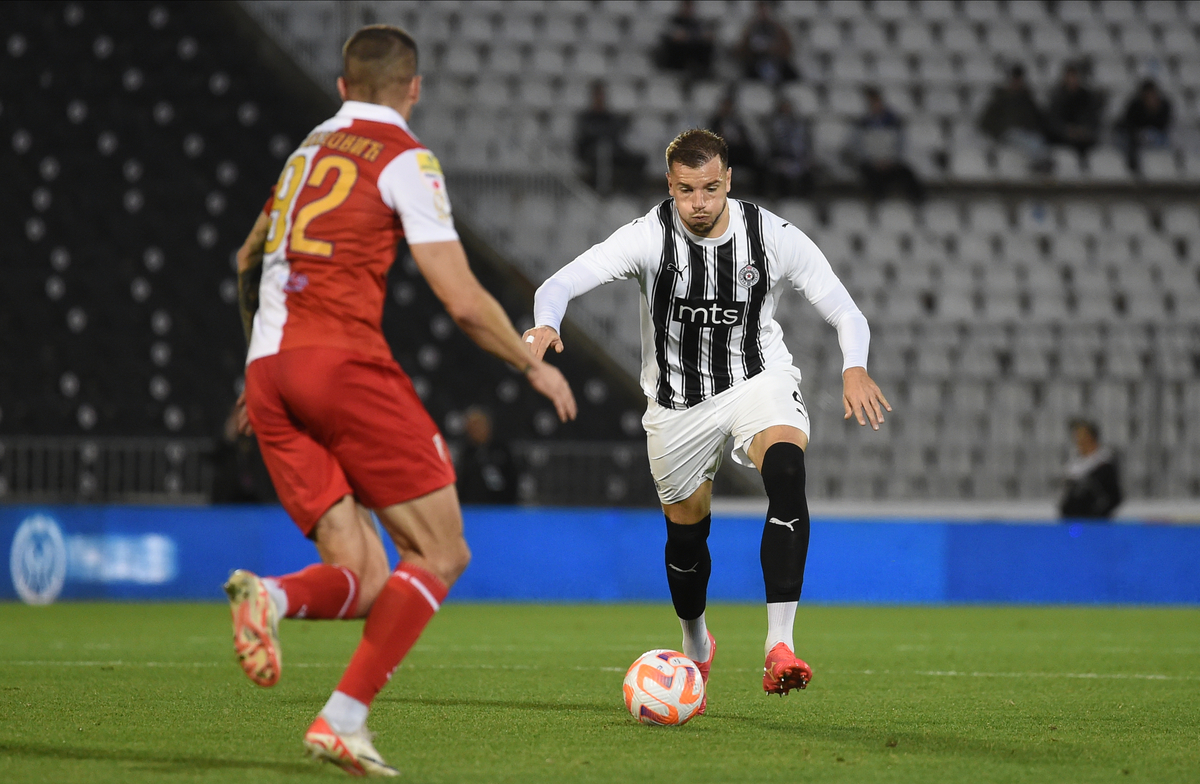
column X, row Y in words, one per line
column 270, row 201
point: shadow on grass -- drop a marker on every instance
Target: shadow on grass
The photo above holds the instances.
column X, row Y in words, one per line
column 151, row 758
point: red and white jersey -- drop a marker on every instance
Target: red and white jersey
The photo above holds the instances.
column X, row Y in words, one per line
column 355, row 186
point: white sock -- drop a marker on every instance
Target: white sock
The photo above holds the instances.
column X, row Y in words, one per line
column 345, row 714
column 277, row 594
column 781, row 617
column 695, row 639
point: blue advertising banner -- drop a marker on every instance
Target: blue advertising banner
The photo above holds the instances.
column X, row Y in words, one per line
column 173, row 553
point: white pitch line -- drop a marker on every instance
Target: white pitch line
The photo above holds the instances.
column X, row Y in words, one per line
column 519, row 667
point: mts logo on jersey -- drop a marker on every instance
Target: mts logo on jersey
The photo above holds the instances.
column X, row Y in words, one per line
column 709, row 312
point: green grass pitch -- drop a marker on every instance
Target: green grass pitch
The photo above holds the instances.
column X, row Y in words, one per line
column 524, row 693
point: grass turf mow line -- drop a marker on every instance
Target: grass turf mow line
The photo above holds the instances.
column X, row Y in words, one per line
column 522, row 693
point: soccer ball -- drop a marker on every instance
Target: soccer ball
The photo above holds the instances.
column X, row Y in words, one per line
column 663, row 687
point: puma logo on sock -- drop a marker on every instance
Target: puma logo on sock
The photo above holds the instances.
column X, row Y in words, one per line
column 788, row 524
column 684, row 571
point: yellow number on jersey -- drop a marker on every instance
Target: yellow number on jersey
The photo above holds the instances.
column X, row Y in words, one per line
column 347, row 175
column 285, row 191
column 288, row 188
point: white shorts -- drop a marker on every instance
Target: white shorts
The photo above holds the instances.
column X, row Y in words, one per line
column 685, row 446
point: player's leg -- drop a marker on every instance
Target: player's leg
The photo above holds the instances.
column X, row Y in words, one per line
column 353, row 568
column 428, row 533
column 689, row 566
column 396, row 460
column 313, row 490
column 684, row 448
column 770, row 426
column 778, row 452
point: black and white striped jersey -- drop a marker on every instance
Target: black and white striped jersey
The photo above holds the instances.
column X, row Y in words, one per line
column 708, row 303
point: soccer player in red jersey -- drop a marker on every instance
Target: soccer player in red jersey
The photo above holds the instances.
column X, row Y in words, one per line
column 340, row 427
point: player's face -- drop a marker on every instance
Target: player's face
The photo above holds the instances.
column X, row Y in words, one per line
column 700, row 194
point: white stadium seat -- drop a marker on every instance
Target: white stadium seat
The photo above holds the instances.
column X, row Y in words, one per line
column 1138, row 40
column 1005, row 38
column 1161, row 11
column 959, row 37
column 1083, row 217
column 1108, row 165
column 1076, row 10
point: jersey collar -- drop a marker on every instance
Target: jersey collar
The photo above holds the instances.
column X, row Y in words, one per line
column 372, row 112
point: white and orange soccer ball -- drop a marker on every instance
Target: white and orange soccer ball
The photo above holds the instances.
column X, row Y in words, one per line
column 663, row 687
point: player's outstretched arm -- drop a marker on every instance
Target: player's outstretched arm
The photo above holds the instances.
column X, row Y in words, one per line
column 477, row 313
column 862, row 398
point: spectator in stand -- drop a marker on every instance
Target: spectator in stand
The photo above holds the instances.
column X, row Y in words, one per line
column 877, row 146
column 1012, row 116
column 789, row 159
column 598, row 145
column 687, row 43
column 485, row 468
column 1093, row 482
column 743, row 156
column 765, row 49
column 1074, row 113
column 1146, row 122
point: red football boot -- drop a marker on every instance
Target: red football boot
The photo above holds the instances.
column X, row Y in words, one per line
column 784, row 672
column 704, row 667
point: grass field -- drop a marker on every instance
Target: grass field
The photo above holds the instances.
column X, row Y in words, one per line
column 522, row 693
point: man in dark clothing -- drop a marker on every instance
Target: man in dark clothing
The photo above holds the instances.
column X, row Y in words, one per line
column 1012, row 116
column 878, row 147
column 1074, row 114
column 1146, row 121
column 766, row 48
column 598, row 145
column 485, row 469
column 1093, row 482
column 728, row 124
column 789, row 160
column 687, row 43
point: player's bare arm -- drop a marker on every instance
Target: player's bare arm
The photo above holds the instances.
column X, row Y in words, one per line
column 477, row 313
column 862, row 399
column 249, row 272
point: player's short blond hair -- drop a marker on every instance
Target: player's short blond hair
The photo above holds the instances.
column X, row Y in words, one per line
column 697, row 147
column 377, row 58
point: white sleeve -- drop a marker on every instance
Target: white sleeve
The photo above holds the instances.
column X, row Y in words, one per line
column 414, row 187
column 619, row 257
column 811, row 274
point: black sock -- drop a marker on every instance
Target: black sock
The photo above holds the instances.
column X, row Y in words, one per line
column 785, row 534
column 688, row 567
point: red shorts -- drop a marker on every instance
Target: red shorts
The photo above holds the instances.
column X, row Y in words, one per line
column 331, row 423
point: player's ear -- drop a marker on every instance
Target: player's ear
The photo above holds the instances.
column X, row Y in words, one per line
column 728, row 178
column 341, row 85
column 414, row 90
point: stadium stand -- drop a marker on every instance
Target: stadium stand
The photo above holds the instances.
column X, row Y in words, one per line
column 140, row 142
column 1007, row 303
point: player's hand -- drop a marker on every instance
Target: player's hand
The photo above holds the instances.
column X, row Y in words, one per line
column 549, row 381
column 862, row 399
column 539, row 339
column 241, row 417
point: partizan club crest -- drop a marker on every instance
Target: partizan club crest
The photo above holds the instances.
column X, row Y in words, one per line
column 748, row 276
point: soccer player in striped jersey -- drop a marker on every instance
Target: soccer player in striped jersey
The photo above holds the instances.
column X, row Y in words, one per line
column 714, row 365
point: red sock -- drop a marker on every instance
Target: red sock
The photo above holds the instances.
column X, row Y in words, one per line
column 405, row 605
column 321, row 591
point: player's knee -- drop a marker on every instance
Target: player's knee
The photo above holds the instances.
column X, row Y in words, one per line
column 372, row 577
column 783, row 468
column 451, row 560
